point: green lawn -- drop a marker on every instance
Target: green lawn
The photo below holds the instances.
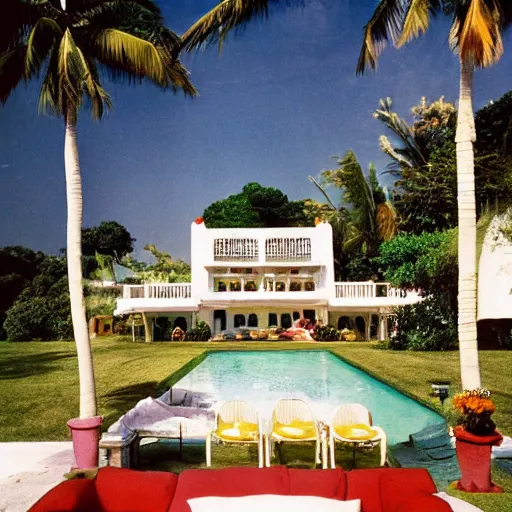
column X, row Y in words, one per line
column 39, row 388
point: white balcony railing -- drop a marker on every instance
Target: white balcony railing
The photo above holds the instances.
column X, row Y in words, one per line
column 235, row 249
column 367, row 290
column 288, row 249
column 157, row 291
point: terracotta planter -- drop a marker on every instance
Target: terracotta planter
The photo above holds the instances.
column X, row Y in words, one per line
column 86, row 436
column 474, row 457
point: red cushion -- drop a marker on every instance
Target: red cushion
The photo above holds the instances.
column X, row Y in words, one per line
column 403, row 490
column 77, row 495
column 197, row 483
column 326, row 483
column 123, row 490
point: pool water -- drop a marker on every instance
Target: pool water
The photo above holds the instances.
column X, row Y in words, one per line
column 318, row 377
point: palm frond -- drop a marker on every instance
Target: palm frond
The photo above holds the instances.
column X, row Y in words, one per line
column 127, row 55
column 71, row 74
column 386, row 147
column 14, row 23
column 324, row 192
column 215, row 25
column 98, row 97
column 476, row 32
column 42, row 38
column 349, row 177
column 385, row 25
column 12, row 71
column 387, row 224
column 137, row 57
column 411, row 152
column 417, row 19
column 49, row 95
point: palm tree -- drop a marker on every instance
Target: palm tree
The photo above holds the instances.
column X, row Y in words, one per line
column 125, row 37
column 475, row 34
column 365, row 217
column 421, row 161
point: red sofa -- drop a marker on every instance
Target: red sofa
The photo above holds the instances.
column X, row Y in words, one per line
column 126, row 490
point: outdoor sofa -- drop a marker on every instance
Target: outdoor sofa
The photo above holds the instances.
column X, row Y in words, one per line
column 126, row 490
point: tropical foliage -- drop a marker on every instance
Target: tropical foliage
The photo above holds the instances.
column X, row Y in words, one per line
column 108, row 239
column 68, row 46
column 41, row 310
column 362, row 218
column 476, row 35
column 201, row 332
column 423, row 161
column 165, row 269
column 255, row 207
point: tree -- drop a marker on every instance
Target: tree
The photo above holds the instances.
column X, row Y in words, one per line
column 18, row 266
column 42, row 310
column 423, row 163
column 108, row 239
column 165, row 269
column 363, row 219
column 128, row 39
column 255, row 207
column 476, row 35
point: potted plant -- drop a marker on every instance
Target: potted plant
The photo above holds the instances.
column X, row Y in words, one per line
column 475, row 435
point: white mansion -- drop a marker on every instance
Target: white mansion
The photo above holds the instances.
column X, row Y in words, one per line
column 261, row 277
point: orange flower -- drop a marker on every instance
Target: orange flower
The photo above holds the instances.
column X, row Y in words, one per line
column 199, row 220
column 318, row 220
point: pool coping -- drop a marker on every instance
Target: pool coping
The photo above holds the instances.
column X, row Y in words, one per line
column 176, row 376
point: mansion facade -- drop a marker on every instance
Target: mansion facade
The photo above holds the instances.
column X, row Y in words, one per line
column 263, row 277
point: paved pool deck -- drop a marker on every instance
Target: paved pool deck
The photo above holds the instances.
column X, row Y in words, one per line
column 29, row 470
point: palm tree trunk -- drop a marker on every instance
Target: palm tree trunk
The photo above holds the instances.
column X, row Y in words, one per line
column 74, row 259
column 466, row 135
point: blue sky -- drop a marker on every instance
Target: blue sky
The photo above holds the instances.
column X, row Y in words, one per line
column 274, row 107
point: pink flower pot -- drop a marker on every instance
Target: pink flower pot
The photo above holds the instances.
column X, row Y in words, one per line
column 86, row 436
column 474, row 457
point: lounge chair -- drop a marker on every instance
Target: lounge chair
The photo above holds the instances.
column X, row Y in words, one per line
column 294, row 423
column 236, row 423
column 352, row 423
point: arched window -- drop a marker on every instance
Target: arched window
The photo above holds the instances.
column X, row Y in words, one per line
column 272, row 320
column 295, row 315
column 295, row 286
column 361, row 326
column 286, row 320
column 252, row 320
column 181, row 323
column 239, row 321
column 309, row 286
column 280, row 286
column 343, row 322
column 219, row 316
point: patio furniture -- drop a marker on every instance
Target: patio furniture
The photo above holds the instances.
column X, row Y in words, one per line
column 236, row 423
column 114, row 489
column 352, row 424
column 294, row 423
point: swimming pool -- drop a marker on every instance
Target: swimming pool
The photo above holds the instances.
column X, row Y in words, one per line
column 318, row 377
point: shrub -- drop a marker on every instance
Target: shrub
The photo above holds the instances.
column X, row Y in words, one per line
column 201, row 332
column 427, row 326
column 326, row 333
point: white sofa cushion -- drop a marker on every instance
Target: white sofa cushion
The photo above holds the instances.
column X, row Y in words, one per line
column 272, row 503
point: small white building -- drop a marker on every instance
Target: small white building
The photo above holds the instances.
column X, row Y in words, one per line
column 262, row 277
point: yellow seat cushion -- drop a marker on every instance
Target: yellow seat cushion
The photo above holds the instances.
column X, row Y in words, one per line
column 359, row 432
column 238, row 431
column 296, row 429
